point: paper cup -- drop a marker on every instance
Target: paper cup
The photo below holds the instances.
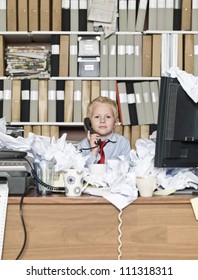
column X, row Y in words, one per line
column 146, row 185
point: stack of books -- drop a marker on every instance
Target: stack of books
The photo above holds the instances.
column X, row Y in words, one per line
column 27, row 62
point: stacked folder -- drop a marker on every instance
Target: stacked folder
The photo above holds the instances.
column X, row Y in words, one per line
column 27, row 61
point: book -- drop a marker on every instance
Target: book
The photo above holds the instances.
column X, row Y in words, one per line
column 156, row 55
column 7, row 100
column 51, row 104
column 135, row 135
column 131, row 15
column 25, row 100
column 147, row 55
column 34, row 88
column 45, row 130
column 2, row 57
column 33, row 15
column 112, row 89
column 22, row 15
column 54, row 131
column 82, row 15
column 104, row 88
column 36, row 129
column 152, row 15
column 103, row 56
column 119, row 129
column 146, row 93
column 11, row 15
column 95, row 89
column 16, row 101
column 144, row 131
column 74, row 11
column 177, row 15
column 138, row 55
column 77, row 101
column 121, row 55
column 73, row 55
column 3, row 17
column 86, row 93
column 161, row 12
column 196, row 55
column 1, row 98
column 64, row 56
column 139, row 103
column 131, row 103
column 26, row 130
column 141, row 15
column 122, row 13
column 186, row 13
column 42, row 102
column 189, row 53
column 154, row 87
column 55, row 55
column 165, row 52
column 180, row 51
column 69, row 101
column 127, row 132
column 123, row 103
column 112, row 55
column 56, row 15
column 60, row 95
column 90, row 24
column 169, row 15
column 129, row 59
column 65, row 15
column 45, row 15
column 194, row 15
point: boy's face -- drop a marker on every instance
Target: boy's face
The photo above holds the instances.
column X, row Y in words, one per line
column 102, row 120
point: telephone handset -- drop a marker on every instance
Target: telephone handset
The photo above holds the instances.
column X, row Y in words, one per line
column 87, row 126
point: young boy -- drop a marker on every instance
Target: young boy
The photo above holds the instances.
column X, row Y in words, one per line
column 103, row 113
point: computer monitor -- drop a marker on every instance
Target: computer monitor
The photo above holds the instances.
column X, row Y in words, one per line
column 177, row 128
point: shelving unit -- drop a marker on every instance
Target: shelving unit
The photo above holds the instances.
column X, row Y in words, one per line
column 44, row 37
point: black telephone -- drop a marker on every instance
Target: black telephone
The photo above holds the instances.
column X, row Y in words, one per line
column 87, row 126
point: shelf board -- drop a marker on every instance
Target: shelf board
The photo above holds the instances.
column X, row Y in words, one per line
column 46, row 123
column 107, row 78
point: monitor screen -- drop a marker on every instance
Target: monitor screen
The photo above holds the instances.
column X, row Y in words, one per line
column 177, row 128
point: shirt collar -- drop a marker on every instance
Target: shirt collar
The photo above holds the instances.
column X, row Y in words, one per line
column 112, row 138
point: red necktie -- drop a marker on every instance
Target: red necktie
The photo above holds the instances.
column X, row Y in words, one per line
column 102, row 155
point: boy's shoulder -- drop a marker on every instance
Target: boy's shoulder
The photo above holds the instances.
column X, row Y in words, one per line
column 120, row 137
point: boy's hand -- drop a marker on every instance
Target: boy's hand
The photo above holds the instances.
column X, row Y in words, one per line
column 93, row 140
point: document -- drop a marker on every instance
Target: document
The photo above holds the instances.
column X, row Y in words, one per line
column 101, row 10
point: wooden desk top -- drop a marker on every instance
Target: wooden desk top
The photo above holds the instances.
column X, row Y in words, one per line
column 59, row 198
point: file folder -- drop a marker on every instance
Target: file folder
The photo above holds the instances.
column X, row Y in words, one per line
column 60, row 95
column 34, row 88
column 51, row 101
column 25, row 100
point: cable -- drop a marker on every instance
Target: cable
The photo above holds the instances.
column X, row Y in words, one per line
column 38, row 180
column 27, row 189
column 120, row 235
column 90, row 148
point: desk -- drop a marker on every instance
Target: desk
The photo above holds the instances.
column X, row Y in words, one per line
column 85, row 228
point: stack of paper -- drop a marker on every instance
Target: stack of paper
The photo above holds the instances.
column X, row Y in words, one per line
column 27, row 62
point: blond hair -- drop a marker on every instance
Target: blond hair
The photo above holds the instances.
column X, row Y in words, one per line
column 103, row 100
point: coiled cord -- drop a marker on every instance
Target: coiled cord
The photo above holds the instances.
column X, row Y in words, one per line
column 120, row 235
